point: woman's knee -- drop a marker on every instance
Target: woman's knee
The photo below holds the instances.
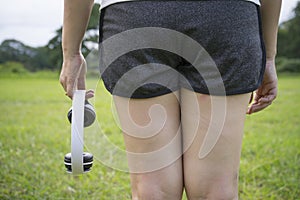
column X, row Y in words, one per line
column 220, row 188
column 146, row 187
column 165, row 183
column 155, row 192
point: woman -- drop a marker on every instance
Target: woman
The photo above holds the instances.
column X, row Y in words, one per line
column 181, row 107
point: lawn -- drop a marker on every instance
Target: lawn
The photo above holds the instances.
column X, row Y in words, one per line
column 35, row 136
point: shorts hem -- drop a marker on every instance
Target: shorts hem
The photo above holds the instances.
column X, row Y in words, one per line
column 227, row 93
column 157, row 94
column 143, row 96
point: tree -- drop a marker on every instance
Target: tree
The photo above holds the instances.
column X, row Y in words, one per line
column 54, row 50
column 91, row 37
column 32, row 58
column 289, row 36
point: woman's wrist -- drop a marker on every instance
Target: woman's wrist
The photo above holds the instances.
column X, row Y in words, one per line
column 68, row 54
column 270, row 58
column 270, row 62
column 271, row 51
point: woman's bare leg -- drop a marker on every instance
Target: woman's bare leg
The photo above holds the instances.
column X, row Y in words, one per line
column 152, row 132
column 213, row 175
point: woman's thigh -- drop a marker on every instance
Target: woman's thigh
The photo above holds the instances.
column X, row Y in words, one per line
column 212, row 129
column 152, row 134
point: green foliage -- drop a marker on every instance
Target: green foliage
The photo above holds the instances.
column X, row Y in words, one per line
column 90, row 39
column 12, row 68
column 17, row 70
column 33, row 59
column 54, row 50
column 94, row 19
column 48, row 57
column 35, row 137
column 287, row 65
column 289, row 36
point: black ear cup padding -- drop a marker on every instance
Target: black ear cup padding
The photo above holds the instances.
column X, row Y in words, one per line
column 87, row 161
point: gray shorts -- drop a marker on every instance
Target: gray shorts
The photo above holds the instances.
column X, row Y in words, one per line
column 151, row 48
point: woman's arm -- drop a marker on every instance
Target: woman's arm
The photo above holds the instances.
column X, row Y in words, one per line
column 270, row 12
column 76, row 18
column 267, row 92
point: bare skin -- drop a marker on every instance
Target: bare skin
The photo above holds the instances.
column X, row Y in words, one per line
column 267, row 92
column 165, row 183
column 213, row 176
column 76, row 17
column 202, row 178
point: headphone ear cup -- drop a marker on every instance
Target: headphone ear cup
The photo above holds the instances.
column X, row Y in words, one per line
column 87, row 162
column 69, row 115
column 89, row 114
column 68, row 163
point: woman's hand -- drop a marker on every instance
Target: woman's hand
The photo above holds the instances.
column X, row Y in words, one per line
column 267, row 92
column 76, row 18
column 72, row 76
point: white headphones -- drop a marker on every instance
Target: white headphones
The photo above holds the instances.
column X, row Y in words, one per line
column 81, row 115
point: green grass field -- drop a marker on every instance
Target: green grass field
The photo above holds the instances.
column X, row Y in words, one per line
column 35, row 135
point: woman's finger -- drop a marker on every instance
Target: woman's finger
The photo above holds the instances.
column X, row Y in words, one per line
column 62, row 81
column 258, row 107
column 89, row 94
column 71, row 86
